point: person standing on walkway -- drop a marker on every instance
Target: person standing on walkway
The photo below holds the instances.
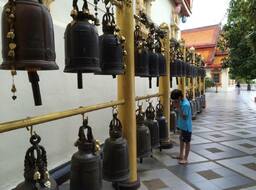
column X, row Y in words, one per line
column 238, row 87
column 184, row 123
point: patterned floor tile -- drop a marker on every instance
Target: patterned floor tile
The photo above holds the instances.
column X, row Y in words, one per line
column 241, row 165
column 215, row 151
column 243, row 133
column 166, row 157
column 167, row 178
column 244, row 145
column 217, row 136
column 210, row 175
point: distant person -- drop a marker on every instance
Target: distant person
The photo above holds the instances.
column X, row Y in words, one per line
column 238, row 87
column 184, row 115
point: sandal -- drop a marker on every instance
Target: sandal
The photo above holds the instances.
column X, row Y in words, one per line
column 183, row 162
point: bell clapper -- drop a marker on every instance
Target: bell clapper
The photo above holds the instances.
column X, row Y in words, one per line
column 79, row 80
column 34, row 79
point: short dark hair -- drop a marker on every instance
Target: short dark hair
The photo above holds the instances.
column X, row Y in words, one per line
column 176, row 93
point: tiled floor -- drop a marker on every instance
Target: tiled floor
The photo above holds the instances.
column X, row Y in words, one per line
column 223, row 151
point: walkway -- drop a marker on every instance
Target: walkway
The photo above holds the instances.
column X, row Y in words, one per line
column 223, row 150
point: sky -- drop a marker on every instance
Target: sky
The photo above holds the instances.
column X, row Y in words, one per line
column 206, row 12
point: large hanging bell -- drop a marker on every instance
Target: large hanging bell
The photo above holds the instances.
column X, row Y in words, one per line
column 111, row 50
column 81, row 44
column 35, row 172
column 28, row 40
column 115, row 154
column 143, row 135
column 85, row 164
column 203, row 101
column 141, row 54
column 193, row 109
column 153, row 57
column 174, row 68
column 163, row 126
column 179, row 68
column 152, row 124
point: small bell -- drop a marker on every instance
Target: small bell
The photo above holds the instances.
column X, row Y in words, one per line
column 35, row 172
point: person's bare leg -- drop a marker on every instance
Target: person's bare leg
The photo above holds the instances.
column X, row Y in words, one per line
column 187, row 149
column 181, row 150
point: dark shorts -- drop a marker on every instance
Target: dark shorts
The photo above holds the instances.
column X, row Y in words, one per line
column 185, row 136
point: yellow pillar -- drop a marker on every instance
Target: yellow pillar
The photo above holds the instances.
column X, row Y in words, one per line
column 164, row 82
column 183, row 79
column 126, row 85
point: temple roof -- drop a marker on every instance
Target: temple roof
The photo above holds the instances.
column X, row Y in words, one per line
column 204, row 40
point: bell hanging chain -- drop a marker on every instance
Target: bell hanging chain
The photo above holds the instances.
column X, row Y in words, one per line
column 10, row 14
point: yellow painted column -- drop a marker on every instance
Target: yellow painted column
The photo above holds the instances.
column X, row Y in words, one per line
column 164, row 82
column 183, row 79
column 126, row 85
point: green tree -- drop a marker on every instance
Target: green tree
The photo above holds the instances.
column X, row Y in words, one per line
column 239, row 39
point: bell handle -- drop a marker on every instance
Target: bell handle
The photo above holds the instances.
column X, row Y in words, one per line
column 84, row 8
column 81, row 134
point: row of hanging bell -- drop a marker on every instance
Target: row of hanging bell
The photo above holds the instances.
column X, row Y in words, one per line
column 35, row 172
column 149, row 58
column 180, row 68
column 86, row 52
column 30, row 51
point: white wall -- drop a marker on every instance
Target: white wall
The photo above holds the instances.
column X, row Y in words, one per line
column 59, row 92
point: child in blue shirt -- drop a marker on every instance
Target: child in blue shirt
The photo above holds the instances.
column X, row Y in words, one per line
column 184, row 117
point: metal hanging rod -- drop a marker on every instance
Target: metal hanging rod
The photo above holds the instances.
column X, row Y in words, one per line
column 148, row 96
column 22, row 123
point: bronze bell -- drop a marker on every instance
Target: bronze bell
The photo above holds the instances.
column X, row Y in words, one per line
column 163, row 126
column 115, row 154
column 161, row 60
column 173, row 119
column 23, row 50
column 193, row 109
column 85, row 164
column 153, row 57
column 203, row 101
column 198, row 105
column 111, row 47
column 81, row 44
column 179, row 68
column 174, row 68
column 143, row 135
column 152, row 124
column 35, row 172
column 141, row 54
